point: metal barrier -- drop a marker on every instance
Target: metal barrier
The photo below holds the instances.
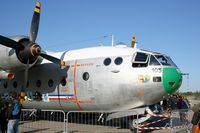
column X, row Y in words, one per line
column 176, row 121
column 44, row 121
column 95, row 122
column 181, row 120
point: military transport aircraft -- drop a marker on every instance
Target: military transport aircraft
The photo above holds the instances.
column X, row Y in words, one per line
column 107, row 78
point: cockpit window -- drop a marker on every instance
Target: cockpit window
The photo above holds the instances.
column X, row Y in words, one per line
column 153, row 61
column 165, row 60
column 162, row 60
column 140, row 57
column 170, row 61
column 140, row 60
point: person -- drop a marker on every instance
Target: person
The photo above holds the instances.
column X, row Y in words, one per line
column 195, row 121
column 14, row 111
column 174, row 101
column 180, row 108
column 183, row 110
column 3, row 117
column 179, row 102
column 38, row 96
column 164, row 104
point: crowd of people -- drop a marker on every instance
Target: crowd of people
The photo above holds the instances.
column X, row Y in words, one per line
column 170, row 103
column 181, row 104
column 10, row 114
column 175, row 102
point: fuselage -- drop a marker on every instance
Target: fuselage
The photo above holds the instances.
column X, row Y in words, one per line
column 99, row 78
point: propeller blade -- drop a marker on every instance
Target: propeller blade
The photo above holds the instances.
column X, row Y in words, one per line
column 35, row 23
column 53, row 59
column 10, row 43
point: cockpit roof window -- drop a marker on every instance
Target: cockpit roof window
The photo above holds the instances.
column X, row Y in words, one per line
column 153, row 61
column 141, row 57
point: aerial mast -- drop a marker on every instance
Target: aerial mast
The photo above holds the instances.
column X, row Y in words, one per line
column 112, row 40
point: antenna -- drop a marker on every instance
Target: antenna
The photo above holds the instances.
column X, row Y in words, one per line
column 112, row 40
column 188, row 87
column 187, row 76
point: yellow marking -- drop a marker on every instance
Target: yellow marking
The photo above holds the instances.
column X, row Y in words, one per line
column 38, row 4
column 62, row 63
column 37, row 8
column 141, row 78
column 21, row 96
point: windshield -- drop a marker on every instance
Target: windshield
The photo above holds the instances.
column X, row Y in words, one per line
column 153, row 61
column 165, row 60
column 171, row 62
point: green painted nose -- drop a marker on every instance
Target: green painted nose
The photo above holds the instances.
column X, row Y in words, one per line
column 172, row 79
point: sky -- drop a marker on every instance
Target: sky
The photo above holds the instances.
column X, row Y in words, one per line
column 171, row 27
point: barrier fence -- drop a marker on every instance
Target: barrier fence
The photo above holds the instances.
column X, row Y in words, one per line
column 95, row 122
column 44, row 121
column 57, row 121
column 181, row 120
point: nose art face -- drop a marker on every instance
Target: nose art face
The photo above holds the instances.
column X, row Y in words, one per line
column 172, row 79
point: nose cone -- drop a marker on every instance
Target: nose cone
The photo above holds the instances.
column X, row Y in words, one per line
column 172, row 79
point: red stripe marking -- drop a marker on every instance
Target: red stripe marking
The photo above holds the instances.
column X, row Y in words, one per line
column 62, row 99
column 75, row 86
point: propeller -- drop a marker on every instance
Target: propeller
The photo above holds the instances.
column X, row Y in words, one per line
column 27, row 50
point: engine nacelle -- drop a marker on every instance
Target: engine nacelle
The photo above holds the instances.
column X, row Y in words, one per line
column 12, row 61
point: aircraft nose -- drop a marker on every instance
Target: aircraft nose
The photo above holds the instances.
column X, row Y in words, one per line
column 172, row 79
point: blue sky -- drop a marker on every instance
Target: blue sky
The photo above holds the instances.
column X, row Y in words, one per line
column 167, row 26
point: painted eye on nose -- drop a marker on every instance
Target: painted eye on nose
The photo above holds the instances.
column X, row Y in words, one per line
column 171, row 84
